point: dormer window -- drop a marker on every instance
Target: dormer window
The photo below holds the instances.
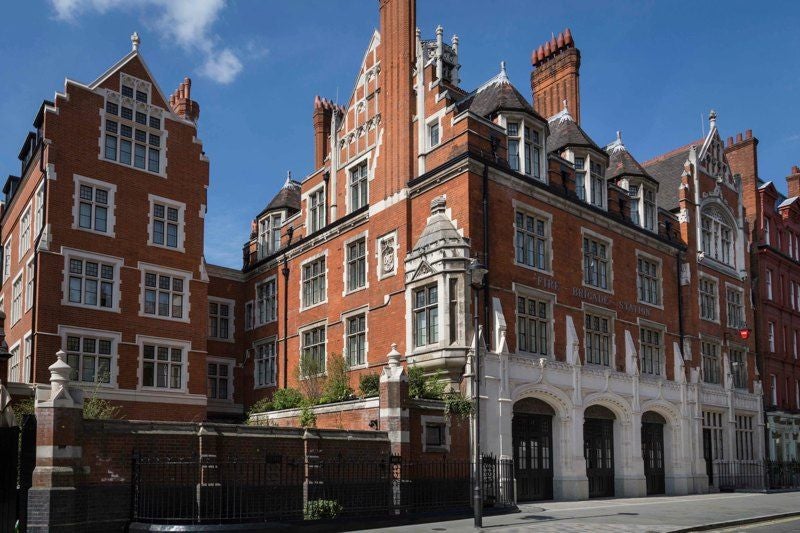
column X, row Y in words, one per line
column 513, row 145
column 717, row 236
column 643, row 206
column 598, row 185
column 269, row 234
column 580, row 178
column 521, row 134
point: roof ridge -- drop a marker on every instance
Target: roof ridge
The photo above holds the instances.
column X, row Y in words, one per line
column 675, row 151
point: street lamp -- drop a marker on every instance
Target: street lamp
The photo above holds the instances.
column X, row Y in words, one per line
column 477, row 272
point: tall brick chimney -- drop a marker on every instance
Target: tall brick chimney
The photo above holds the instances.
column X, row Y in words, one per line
column 556, row 67
column 398, row 27
column 182, row 104
column 742, row 156
column 793, row 182
column 323, row 111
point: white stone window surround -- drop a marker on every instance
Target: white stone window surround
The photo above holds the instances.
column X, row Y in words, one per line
column 30, row 273
column 116, row 262
column 181, row 207
column 425, row 420
column 433, row 120
column 715, row 280
column 609, row 242
column 186, row 348
column 115, row 337
column 358, row 161
column 716, row 341
column 326, row 277
column 272, row 339
column 39, row 212
column 731, row 287
column 662, row 330
column 442, row 304
column 111, row 219
column 26, row 352
column 231, row 364
column 524, row 122
column 14, row 364
column 363, row 235
column 548, row 217
column 307, row 327
column 552, row 300
column 16, row 312
column 721, row 217
column 381, row 274
column 306, row 199
column 267, row 226
column 148, row 108
column 660, row 277
column 157, row 269
column 257, row 311
column 588, row 184
column 231, row 318
column 589, row 309
column 745, row 356
column 7, row 259
column 363, row 310
column 25, row 231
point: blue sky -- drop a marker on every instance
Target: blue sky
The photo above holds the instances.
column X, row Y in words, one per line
column 650, row 69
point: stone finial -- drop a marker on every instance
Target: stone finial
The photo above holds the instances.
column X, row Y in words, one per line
column 394, row 356
column 135, row 41
column 439, row 30
column 59, row 374
column 438, row 205
column 712, row 119
column 454, row 42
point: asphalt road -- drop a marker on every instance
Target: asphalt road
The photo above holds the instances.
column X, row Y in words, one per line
column 631, row 515
column 783, row 525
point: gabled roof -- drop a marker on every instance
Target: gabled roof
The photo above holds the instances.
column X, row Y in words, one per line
column 439, row 229
column 622, row 163
column 564, row 131
column 287, row 198
column 667, row 170
column 787, row 202
column 495, row 95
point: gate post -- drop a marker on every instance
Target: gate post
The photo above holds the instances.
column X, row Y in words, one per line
column 53, row 498
column 394, row 404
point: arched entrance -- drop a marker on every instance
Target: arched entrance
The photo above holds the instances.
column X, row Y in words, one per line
column 598, row 450
column 532, row 435
column 653, row 451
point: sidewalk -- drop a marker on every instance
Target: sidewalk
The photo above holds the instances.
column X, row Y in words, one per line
column 654, row 514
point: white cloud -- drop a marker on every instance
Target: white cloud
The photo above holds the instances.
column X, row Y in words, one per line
column 186, row 22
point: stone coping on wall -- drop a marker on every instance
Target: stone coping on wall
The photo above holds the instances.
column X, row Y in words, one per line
column 349, row 405
column 229, row 430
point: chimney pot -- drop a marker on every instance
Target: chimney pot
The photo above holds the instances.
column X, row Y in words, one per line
column 738, row 137
column 560, row 40
column 547, row 48
column 730, row 142
column 748, row 134
column 567, row 36
column 795, row 169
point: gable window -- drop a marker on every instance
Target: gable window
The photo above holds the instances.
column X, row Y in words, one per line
column 738, row 368
column 648, row 280
column 533, row 153
column 533, row 326
column 90, row 358
column 356, row 340
column 163, row 366
column 433, row 134
column 266, row 363
column 652, row 357
column 91, row 283
column 166, row 223
column 267, row 302
column 357, row 264
column 316, row 210
column 717, row 236
column 532, row 240
column 314, row 286
column 359, row 187
column 219, row 315
column 710, row 355
column 649, row 209
column 580, row 178
column 708, row 299
column 133, row 138
column 598, row 340
column 165, row 295
column 595, row 263
column 25, row 232
column 426, row 315
column 735, row 308
column 93, row 209
column 598, row 185
column 512, row 128
column 269, row 234
column 313, row 348
column 16, row 300
column 219, row 376
column 634, row 191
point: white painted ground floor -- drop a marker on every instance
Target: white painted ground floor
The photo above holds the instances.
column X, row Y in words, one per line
column 783, row 431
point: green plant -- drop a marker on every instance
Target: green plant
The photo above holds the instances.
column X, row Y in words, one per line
column 422, row 386
column 22, row 408
column 307, row 417
column 455, row 403
column 337, row 386
column 96, row 408
column 311, row 378
column 261, row 406
column 287, row 398
column 369, row 385
column 321, row 509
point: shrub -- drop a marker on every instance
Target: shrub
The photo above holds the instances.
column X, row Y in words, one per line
column 95, row 408
column 261, row 406
column 337, row 386
column 369, row 385
column 455, row 403
column 321, row 509
column 307, row 417
column 287, row 398
column 420, row 386
column 311, row 378
column 22, row 408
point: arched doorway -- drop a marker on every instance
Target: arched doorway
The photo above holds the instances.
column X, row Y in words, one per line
column 653, row 451
column 532, row 435
column 598, row 450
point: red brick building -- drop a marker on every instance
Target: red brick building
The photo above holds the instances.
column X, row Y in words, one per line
column 612, row 362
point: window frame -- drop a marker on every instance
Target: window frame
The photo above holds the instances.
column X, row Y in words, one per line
column 25, row 231
column 714, row 222
column 361, row 165
column 347, row 334
column 7, row 259
column 181, row 222
column 610, row 317
column 703, row 277
column 111, row 191
column 427, row 308
column 310, row 328
column 184, row 346
column 429, row 128
column 538, row 216
column 98, row 334
column 30, row 278
column 549, row 299
column 609, row 260
column 659, row 279
column 116, row 262
column 364, row 259
column 148, row 268
column 231, row 318
column 272, row 341
column 704, row 357
column 312, row 215
column 270, row 313
column 739, row 378
column 269, row 226
column 729, row 289
column 219, row 362
column 443, row 425
column 661, row 330
column 323, row 274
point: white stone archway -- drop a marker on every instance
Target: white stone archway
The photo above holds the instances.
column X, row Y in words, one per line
column 676, row 454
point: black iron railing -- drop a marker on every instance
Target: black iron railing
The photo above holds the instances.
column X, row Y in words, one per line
column 757, row 475
column 210, row 491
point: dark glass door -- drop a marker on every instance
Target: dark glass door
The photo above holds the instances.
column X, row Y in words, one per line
column 707, row 455
column 653, row 456
column 598, row 449
column 533, row 456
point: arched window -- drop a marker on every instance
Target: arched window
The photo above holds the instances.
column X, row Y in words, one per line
column 717, row 235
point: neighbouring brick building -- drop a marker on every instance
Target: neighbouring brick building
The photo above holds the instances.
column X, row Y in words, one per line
column 613, row 362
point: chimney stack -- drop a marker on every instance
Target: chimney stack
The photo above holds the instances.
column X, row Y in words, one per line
column 323, row 116
column 556, row 67
column 182, row 104
column 793, row 182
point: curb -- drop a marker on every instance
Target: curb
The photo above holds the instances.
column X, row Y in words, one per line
column 734, row 523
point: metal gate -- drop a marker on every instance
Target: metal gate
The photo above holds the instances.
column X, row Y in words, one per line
column 653, row 456
column 598, row 449
column 533, row 456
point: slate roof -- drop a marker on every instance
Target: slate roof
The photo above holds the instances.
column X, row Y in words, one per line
column 496, row 94
column 667, row 170
column 564, row 131
column 622, row 163
column 439, row 229
column 287, row 198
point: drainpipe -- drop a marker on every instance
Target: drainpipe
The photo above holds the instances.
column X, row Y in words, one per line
column 488, row 330
column 35, row 334
column 681, row 333
column 285, row 271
